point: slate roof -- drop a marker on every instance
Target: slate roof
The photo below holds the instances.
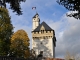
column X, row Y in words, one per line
column 47, row 28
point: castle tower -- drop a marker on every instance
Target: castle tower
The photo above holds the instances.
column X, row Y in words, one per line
column 36, row 21
column 43, row 39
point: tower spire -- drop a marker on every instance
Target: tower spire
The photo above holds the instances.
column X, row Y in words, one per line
column 36, row 20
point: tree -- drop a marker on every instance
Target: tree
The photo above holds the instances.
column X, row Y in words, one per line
column 5, row 31
column 71, row 5
column 14, row 5
column 20, row 44
column 32, row 54
column 69, row 56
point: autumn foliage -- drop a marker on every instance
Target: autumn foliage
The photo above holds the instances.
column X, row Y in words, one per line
column 20, row 44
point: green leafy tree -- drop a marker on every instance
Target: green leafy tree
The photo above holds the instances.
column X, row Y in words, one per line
column 71, row 5
column 20, row 44
column 14, row 5
column 5, row 31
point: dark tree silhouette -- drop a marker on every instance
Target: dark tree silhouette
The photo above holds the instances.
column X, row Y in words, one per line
column 71, row 5
column 6, row 30
column 14, row 5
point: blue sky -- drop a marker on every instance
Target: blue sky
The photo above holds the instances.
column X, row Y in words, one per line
column 66, row 29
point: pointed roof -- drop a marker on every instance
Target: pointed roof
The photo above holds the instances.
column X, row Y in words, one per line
column 35, row 15
column 47, row 28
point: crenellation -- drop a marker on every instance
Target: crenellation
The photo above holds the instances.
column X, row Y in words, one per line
column 44, row 31
column 36, row 32
column 48, row 31
column 40, row 35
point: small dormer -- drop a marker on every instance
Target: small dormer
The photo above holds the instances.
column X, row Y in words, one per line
column 42, row 29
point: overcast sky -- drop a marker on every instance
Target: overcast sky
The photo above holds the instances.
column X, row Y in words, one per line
column 67, row 30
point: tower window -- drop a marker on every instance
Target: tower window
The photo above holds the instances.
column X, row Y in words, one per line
column 34, row 19
column 42, row 31
column 44, row 37
column 46, row 31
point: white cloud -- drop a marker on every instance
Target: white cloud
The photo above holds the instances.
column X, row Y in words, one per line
column 67, row 34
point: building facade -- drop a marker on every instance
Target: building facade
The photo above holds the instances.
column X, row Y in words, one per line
column 43, row 38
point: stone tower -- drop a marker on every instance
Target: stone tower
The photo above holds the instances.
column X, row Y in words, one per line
column 43, row 38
